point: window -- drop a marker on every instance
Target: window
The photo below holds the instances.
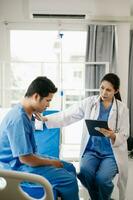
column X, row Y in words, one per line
column 35, row 53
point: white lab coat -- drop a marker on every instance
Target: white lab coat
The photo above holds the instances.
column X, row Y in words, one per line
column 89, row 109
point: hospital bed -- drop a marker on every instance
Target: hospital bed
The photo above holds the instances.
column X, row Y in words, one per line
column 10, row 185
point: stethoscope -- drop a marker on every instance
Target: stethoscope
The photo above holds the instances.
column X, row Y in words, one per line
column 116, row 130
column 117, row 115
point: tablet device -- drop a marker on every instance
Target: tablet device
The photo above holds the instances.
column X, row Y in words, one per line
column 92, row 124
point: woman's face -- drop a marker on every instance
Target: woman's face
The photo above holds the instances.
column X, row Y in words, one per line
column 107, row 91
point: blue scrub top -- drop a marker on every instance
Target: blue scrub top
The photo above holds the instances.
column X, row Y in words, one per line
column 16, row 137
column 101, row 145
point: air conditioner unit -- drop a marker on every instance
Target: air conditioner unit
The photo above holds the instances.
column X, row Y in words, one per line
column 85, row 17
column 87, row 10
column 60, row 9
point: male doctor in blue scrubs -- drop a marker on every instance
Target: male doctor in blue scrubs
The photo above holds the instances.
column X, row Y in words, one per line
column 18, row 146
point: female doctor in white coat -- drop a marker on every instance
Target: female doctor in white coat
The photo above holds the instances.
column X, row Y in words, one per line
column 101, row 157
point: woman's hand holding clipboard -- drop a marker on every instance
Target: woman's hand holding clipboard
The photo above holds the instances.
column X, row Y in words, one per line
column 100, row 128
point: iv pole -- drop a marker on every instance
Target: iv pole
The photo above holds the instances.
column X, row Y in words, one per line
column 60, row 35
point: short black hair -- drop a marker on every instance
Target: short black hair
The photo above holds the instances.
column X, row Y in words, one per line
column 42, row 86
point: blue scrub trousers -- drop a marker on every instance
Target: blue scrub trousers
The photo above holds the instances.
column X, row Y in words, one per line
column 96, row 174
column 63, row 180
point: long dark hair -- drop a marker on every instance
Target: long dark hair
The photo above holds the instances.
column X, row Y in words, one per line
column 115, row 81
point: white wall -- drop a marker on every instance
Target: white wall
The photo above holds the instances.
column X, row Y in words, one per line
column 12, row 10
column 123, row 58
column 4, row 43
column 112, row 7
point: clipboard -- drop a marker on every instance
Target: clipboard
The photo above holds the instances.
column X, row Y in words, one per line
column 92, row 124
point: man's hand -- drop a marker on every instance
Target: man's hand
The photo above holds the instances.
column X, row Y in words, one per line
column 35, row 160
column 57, row 163
column 39, row 117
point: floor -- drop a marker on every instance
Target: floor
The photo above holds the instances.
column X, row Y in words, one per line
column 130, row 181
column 129, row 195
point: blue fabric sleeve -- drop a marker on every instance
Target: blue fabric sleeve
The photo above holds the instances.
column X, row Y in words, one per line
column 20, row 135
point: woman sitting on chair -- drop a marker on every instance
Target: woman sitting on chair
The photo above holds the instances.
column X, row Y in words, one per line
column 101, row 157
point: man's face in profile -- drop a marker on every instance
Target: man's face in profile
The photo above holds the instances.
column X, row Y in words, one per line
column 40, row 104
